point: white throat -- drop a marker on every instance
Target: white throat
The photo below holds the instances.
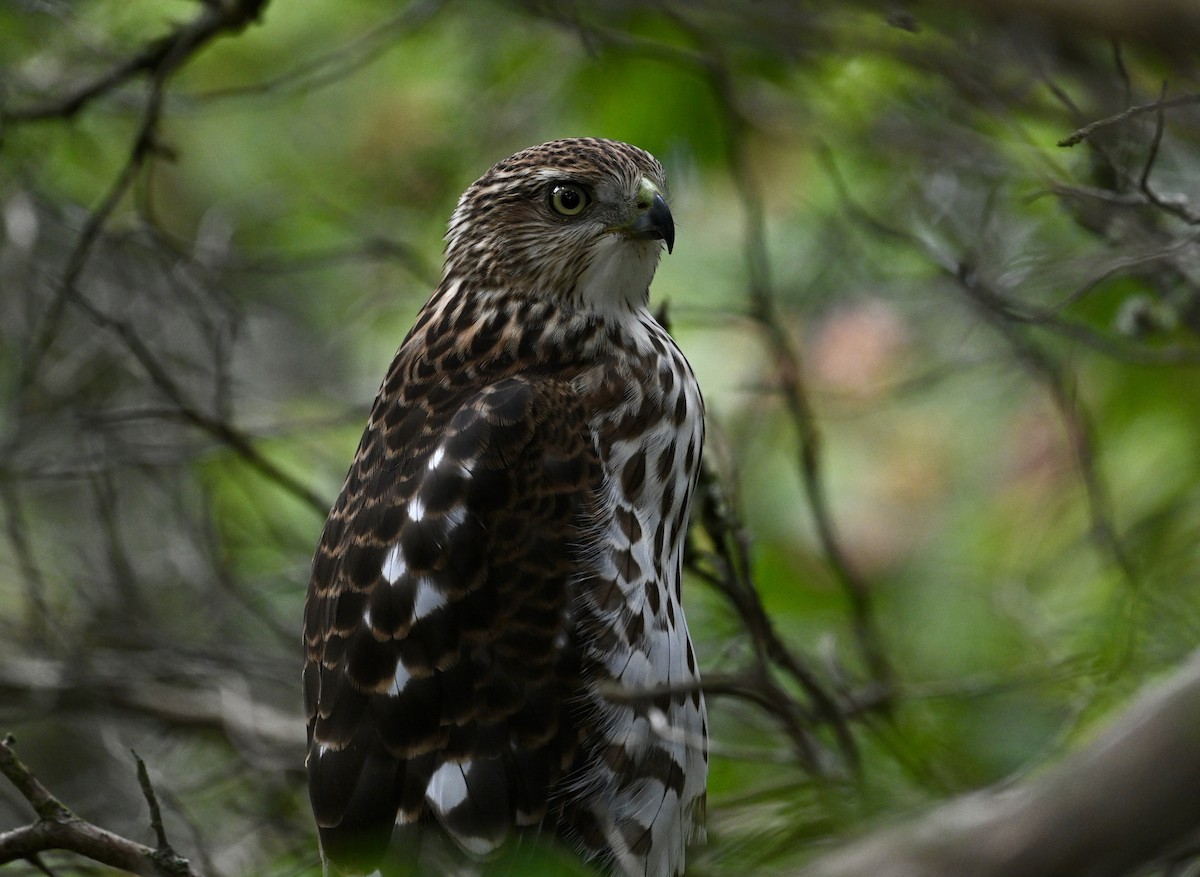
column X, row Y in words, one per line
column 619, row 274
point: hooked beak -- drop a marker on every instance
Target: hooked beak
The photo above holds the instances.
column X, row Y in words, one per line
column 655, row 222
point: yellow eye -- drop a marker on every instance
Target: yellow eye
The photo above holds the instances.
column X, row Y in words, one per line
column 568, row 200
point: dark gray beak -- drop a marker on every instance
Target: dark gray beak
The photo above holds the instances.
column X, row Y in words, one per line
column 656, row 223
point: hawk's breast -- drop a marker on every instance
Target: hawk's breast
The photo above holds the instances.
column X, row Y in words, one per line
column 646, row 778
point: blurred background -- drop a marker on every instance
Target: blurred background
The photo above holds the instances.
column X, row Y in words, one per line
column 951, row 357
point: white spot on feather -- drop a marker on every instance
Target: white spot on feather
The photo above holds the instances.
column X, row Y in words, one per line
column 394, row 565
column 436, row 460
column 447, row 787
column 658, row 721
column 400, row 679
column 427, row 599
column 455, row 516
column 416, row 510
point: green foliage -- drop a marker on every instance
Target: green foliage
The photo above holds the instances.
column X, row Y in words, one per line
column 997, row 337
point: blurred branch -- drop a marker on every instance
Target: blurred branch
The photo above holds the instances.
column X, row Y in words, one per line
column 1176, row 205
column 791, row 375
column 1059, row 383
column 16, row 528
column 729, row 571
column 338, row 63
column 145, row 142
column 1051, row 318
column 57, row 828
column 159, row 57
column 999, row 313
column 371, row 249
column 1127, row 800
column 238, row 442
column 1169, row 26
column 259, row 732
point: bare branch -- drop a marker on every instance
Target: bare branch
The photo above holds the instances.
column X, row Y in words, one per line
column 156, row 820
column 1077, row 137
column 999, row 313
column 1126, row 800
column 57, row 828
column 45, row 805
column 731, row 561
column 1175, row 205
column 16, row 528
column 338, row 63
column 159, row 57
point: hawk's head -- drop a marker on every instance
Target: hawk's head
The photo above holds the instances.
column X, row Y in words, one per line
column 579, row 220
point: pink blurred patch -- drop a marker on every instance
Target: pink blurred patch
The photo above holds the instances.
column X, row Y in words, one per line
column 857, row 351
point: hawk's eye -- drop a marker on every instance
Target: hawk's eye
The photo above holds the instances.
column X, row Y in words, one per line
column 567, row 199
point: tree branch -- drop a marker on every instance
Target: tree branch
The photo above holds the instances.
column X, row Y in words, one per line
column 1077, row 137
column 57, row 828
column 158, row 57
column 1127, row 800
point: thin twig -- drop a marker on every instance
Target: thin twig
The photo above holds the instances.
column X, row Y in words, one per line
column 335, row 65
column 1176, row 205
column 89, row 234
column 156, row 820
column 1078, row 136
column 1080, row 433
column 1002, row 315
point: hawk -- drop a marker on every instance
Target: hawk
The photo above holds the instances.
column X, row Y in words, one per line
column 495, row 646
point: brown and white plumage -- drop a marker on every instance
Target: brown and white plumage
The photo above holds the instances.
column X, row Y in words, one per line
column 495, row 644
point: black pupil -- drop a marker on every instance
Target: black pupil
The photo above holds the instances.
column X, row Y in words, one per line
column 568, row 199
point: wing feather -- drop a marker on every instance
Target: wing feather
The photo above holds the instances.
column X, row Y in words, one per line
column 437, row 665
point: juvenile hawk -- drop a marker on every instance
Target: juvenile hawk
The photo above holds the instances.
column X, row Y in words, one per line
column 494, row 639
